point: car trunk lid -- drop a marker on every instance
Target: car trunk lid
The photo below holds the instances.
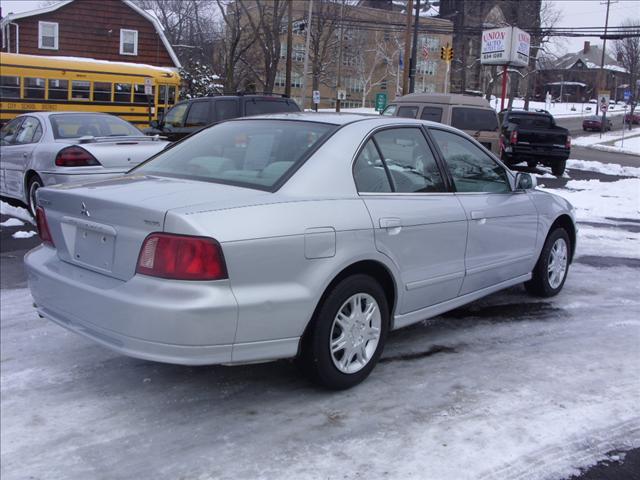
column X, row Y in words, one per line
column 101, row 226
column 121, row 152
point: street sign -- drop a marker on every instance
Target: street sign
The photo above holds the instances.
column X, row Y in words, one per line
column 627, row 95
column 381, row 101
column 316, row 96
column 148, row 86
column 603, row 98
column 342, row 95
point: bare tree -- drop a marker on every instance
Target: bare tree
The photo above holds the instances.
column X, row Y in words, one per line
column 372, row 50
column 627, row 51
column 323, row 41
column 264, row 19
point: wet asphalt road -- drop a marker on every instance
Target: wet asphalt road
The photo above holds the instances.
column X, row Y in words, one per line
column 12, row 276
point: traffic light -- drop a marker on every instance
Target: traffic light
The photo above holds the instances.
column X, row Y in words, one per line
column 443, row 53
column 450, row 54
column 446, row 53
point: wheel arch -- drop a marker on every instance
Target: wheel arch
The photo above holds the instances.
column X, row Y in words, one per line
column 564, row 221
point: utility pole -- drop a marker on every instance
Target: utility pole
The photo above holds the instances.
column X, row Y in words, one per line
column 339, row 82
column 287, row 80
column 405, row 59
column 414, row 52
column 604, row 46
column 306, row 57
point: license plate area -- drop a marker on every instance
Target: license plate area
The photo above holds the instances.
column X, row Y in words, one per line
column 92, row 244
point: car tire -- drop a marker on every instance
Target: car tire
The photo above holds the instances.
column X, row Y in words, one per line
column 557, row 168
column 551, row 270
column 34, row 183
column 346, row 306
column 532, row 163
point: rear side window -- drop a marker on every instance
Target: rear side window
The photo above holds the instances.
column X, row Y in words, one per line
column 433, row 114
column 408, row 112
column 476, row 119
column 8, row 132
column 250, row 153
column 226, row 109
column 369, row 172
column 198, row 115
column 258, row 107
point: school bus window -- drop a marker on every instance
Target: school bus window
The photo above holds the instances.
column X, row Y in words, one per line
column 9, row 87
column 162, row 94
column 172, row 95
column 139, row 95
column 101, row 92
column 34, row 88
column 58, row 89
column 80, row 90
column 122, row 93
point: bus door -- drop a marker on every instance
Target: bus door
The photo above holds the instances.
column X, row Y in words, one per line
column 166, row 98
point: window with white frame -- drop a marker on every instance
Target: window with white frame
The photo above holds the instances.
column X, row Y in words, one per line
column 48, row 35
column 128, row 42
column 296, row 80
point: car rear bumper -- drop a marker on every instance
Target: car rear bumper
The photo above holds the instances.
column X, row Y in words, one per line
column 189, row 323
column 531, row 151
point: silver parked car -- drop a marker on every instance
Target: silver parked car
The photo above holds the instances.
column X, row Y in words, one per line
column 45, row 148
column 293, row 235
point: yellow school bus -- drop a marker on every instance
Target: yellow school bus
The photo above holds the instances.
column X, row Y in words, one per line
column 31, row 83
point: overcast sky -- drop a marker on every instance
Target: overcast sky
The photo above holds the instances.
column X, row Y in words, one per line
column 575, row 13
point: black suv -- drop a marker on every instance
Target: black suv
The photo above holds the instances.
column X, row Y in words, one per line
column 191, row 115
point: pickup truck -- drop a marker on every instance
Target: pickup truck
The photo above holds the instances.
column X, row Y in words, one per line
column 534, row 137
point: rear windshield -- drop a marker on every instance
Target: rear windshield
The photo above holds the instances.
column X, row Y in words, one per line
column 249, row 153
column 476, row 119
column 76, row 125
column 531, row 121
column 258, row 107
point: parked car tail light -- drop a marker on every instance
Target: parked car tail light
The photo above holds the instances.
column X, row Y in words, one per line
column 43, row 227
column 181, row 257
column 568, row 143
column 514, row 137
column 75, row 157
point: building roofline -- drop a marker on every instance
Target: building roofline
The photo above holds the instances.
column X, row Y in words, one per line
column 52, row 8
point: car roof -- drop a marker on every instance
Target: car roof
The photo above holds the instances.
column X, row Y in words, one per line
column 66, row 112
column 322, row 117
column 444, row 98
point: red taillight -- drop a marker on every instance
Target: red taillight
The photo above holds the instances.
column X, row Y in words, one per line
column 43, row 227
column 181, row 257
column 514, row 137
column 568, row 142
column 75, row 157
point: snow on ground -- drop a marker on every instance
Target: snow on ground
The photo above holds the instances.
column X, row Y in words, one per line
column 521, row 389
column 594, row 138
column 17, row 212
column 12, row 222
column 604, row 168
column 628, row 145
column 24, row 234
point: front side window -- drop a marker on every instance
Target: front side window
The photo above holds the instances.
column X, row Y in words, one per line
column 34, row 88
column 390, row 110
column 198, row 114
column 476, row 119
column 9, row 87
column 175, row 116
column 410, row 162
column 432, row 114
column 80, row 90
column 369, row 171
column 48, row 35
column 251, row 153
column 30, row 131
column 58, row 89
column 9, row 131
column 128, row 42
column 471, row 168
column 76, row 125
column 408, row 112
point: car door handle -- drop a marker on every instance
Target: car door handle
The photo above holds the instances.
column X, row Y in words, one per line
column 25, row 154
column 477, row 215
column 391, row 223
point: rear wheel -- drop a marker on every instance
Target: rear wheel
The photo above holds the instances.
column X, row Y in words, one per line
column 32, row 186
column 551, row 270
column 557, row 168
column 532, row 163
column 347, row 335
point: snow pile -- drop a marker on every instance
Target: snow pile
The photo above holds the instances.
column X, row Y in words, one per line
column 24, row 234
column 604, row 168
column 18, row 212
column 12, row 222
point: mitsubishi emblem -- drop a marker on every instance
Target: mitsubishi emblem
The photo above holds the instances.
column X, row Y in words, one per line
column 84, row 211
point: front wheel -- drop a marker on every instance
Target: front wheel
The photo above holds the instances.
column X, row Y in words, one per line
column 32, row 187
column 551, row 270
column 557, row 168
column 348, row 333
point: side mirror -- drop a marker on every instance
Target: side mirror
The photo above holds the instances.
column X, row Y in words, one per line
column 154, row 124
column 525, row 181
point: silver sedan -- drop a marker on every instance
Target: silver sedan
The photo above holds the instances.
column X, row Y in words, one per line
column 293, row 235
column 45, row 148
